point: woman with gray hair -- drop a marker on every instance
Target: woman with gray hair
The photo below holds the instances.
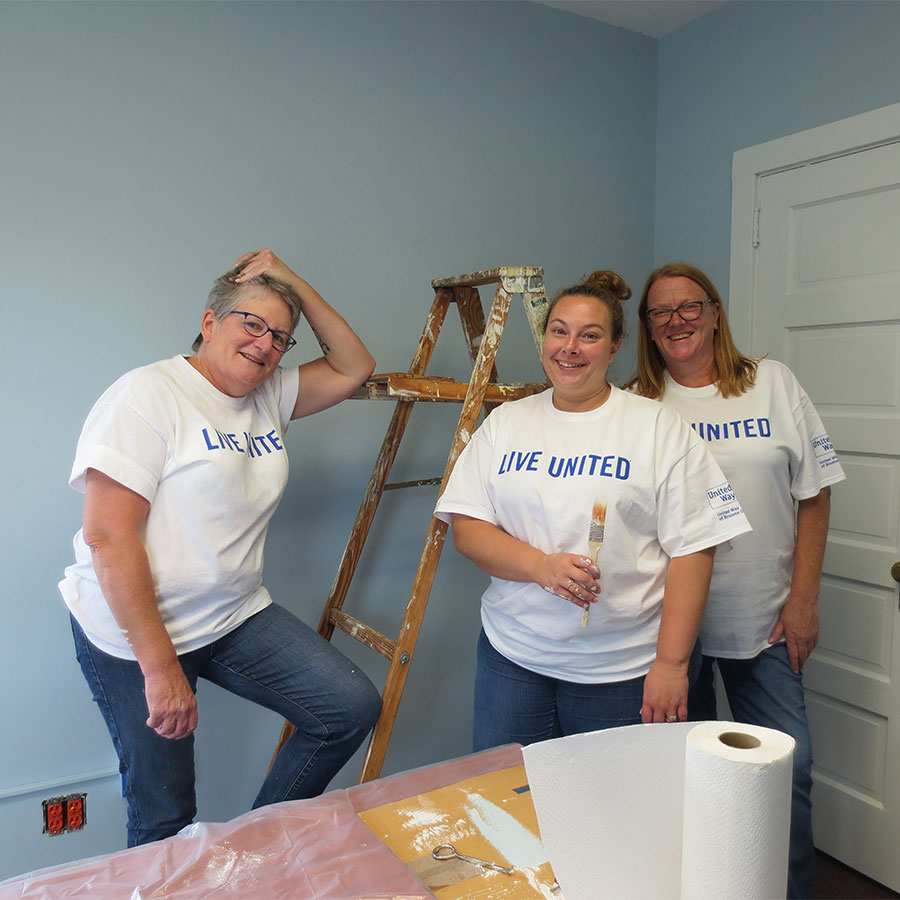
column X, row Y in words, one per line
column 182, row 464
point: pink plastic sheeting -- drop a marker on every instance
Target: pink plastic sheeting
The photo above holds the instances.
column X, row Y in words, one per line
column 313, row 849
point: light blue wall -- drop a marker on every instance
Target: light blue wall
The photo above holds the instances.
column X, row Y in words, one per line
column 751, row 72
column 375, row 146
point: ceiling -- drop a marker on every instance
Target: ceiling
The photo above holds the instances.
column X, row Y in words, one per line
column 655, row 18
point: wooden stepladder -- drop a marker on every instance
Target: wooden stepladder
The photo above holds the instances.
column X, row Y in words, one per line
column 407, row 388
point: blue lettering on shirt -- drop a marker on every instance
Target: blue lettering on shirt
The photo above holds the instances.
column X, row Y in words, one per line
column 518, row 461
column 824, row 451
column 723, row 502
column 587, row 464
column 590, row 464
column 253, row 445
column 739, row 428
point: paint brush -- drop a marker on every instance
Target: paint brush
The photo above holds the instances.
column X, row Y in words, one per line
column 595, row 542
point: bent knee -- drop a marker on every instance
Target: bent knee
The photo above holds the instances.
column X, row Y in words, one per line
column 368, row 705
column 353, row 713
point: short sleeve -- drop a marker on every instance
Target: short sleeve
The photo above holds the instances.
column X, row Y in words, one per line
column 468, row 492
column 121, row 443
column 697, row 505
column 288, row 384
column 816, row 464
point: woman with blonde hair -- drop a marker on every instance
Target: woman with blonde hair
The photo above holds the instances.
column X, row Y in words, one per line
column 761, row 622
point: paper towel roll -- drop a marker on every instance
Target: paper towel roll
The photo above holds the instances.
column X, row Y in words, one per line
column 737, row 810
column 665, row 811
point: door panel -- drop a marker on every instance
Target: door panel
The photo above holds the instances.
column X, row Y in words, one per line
column 827, row 303
column 852, row 747
column 860, row 636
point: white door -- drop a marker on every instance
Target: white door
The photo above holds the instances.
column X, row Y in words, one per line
column 826, row 301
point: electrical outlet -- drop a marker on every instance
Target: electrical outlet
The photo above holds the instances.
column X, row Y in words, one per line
column 64, row 814
column 54, row 816
column 75, row 812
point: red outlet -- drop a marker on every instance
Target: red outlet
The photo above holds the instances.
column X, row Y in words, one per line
column 54, row 816
column 63, row 814
column 75, row 813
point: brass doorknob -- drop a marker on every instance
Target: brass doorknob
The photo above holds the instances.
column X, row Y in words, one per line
column 895, row 571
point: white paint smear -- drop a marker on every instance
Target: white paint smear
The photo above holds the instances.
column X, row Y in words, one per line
column 432, row 827
column 518, row 846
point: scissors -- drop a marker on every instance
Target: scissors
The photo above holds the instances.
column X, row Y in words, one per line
column 448, row 851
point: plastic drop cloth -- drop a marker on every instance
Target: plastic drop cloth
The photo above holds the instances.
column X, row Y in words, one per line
column 315, row 849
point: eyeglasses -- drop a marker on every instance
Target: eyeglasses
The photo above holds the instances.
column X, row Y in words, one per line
column 689, row 311
column 258, row 327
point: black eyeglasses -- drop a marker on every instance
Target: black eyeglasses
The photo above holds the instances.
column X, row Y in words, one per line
column 257, row 326
column 689, row 311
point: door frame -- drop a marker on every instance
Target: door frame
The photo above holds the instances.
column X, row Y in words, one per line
column 861, row 132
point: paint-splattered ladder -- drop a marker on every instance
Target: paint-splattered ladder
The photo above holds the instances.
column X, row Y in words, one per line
column 407, row 388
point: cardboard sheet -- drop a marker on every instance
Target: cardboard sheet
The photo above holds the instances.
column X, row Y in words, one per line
column 490, row 817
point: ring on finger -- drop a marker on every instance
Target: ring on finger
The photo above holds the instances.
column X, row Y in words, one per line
column 571, row 585
column 671, row 718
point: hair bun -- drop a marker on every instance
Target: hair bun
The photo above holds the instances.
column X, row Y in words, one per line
column 609, row 282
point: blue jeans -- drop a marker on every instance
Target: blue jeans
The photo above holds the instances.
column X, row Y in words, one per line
column 765, row 691
column 516, row 706
column 274, row 660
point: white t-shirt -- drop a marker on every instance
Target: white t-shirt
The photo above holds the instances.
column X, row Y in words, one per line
column 771, row 444
column 213, row 468
column 536, row 472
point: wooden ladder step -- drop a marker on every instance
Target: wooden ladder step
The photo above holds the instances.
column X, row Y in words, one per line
column 363, row 633
column 403, row 386
column 501, row 273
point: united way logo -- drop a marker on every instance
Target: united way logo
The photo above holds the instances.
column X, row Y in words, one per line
column 723, row 502
column 824, row 451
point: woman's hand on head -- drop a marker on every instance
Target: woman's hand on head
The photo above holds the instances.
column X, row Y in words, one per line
column 572, row 576
column 170, row 702
column 261, row 262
